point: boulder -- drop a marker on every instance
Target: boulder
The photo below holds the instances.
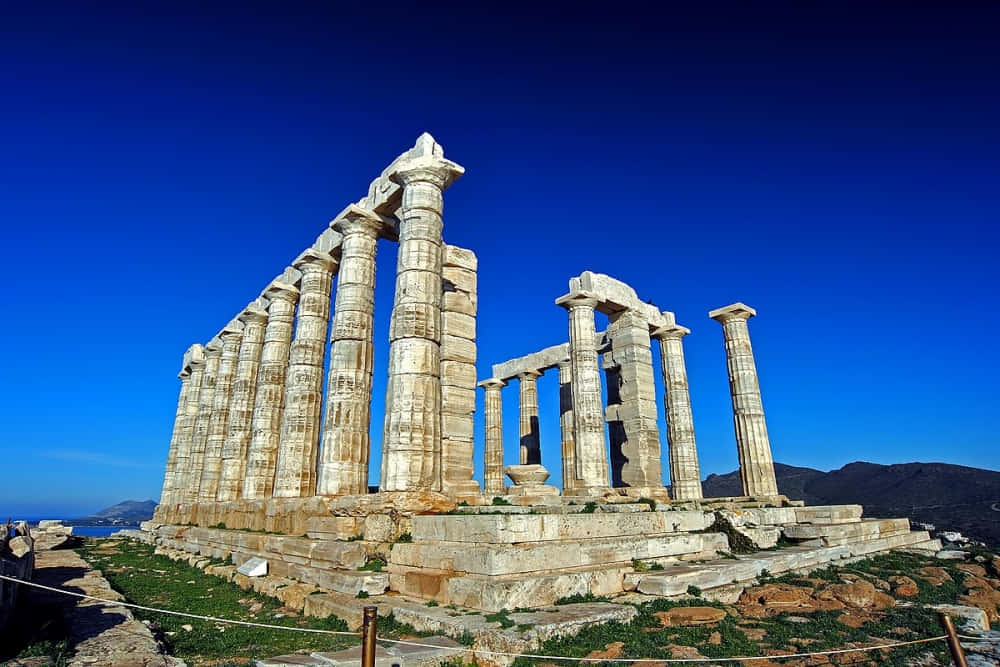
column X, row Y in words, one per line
column 904, row 586
column 685, row 616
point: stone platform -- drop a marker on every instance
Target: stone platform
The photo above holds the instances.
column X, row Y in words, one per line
column 491, row 558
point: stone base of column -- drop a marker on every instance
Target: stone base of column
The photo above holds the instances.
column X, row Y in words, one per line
column 657, row 493
column 467, row 491
column 590, row 492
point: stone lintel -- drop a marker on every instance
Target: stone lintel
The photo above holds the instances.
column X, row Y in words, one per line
column 615, row 296
column 492, row 383
column 536, row 361
column 672, row 331
column 738, row 310
column 329, row 242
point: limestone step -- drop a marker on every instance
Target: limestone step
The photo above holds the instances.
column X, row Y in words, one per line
column 518, row 528
column 842, row 533
column 828, row 514
column 432, row 652
column 675, row 579
column 493, row 593
column 350, row 582
column 346, row 607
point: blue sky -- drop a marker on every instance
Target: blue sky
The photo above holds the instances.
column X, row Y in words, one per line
column 834, row 167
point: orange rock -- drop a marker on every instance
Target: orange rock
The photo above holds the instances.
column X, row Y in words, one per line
column 754, row 634
column 852, row 620
column 610, row 652
column 905, row 587
column 935, row 575
column 976, row 570
column 858, row 594
column 883, row 601
column 715, row 638
column 683, row 652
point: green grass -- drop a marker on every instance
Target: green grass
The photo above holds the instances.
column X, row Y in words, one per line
column 500, row 617
column 373, row 564
column 147, row 579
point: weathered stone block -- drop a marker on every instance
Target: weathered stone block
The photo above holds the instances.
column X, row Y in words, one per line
column 458, row 374
column 459, row 325
column 460, row 257
column 459, row 302
column 461, row 279
column 454, row 348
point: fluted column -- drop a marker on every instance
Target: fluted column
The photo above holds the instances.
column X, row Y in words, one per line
column 199, row 436
column 566, row 426
column 182, row 466
column 265, row 428
column 685, row 476
column 531, row 450
column 588, row 414
column 493, row 454
column 343, row 468
column 411, row 442
column 234, row 450
column 756, row 463
column 295, row 474
column 218, row 424
column 169, row 475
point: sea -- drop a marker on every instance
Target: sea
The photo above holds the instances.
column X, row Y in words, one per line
column 88, row 531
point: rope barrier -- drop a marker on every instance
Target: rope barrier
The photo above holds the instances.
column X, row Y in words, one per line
column 464, row 649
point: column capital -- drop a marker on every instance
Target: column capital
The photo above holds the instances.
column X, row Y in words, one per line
column 357, row 220
column 185, row 374
column 492, row 383
column 252, row 313
column 735, row 311
column 281, row 291
column 432, row 169
column 213, row 346
column 674, row 331
column 578, row 299
column 310, row 257
column 529, row 375
column 235, row 327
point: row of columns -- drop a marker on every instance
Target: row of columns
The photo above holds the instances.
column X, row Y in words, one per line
column 248, row 421
column 585, row 464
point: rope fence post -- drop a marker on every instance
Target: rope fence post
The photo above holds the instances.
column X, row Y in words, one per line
column 368, row 631
column 957, row 654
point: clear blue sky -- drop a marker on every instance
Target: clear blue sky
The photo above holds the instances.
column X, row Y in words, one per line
column 836, row 168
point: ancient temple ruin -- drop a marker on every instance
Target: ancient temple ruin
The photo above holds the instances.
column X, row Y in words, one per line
column 268, row 459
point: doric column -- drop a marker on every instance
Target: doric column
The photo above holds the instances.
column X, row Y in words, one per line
column 218, row 424
column 265, row 428
column 241, row 406
column 588, row 415
column 531, row 450
column 182, row 469
column 566, row 426
column 493, row 454
column 685, row 476
column 756, row 463
column 295, row 474
column 635, row 456
column 343, row 468
column 176, row 452
column 199, row 436
column 411, row 442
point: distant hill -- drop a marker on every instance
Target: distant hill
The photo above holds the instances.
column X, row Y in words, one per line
column 126, row 512
column 949, row 496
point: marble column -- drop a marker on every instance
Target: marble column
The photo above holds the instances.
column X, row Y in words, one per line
column 182, row 467
column 176, row 437
column 199, row 435
column 756, row 463
column 411, row 442
column 531, row 450
column 234, row 450
column 295, row 472
column 635, row 458
column 685, row 476
column 343, row 468
column 218, row 424
column 588, row 414
column 493, row 454
column 265, row 427
column 566, row 426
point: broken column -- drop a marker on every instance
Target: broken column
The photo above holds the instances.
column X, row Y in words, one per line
column 493, row 454
column 265, row 427
column 588, row 414
column 458, row 370
column 234, row 450
column 685, row 476
column 569, row 480
column 753, row 445
column 199, row 435
column 531, row 451
column 295, row 472
column 346, row 440
column 177, row 455
column 411, row 443
column 232, row 337
column 631, row 413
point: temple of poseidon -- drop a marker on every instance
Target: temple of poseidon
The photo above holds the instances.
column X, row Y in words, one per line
column 268, row 464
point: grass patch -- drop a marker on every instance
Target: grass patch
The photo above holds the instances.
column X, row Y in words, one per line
column 404, row 538
column 500, row 617
column 589, row 508
column 373, row 564
column 156, row 581
column 577, row 598
column 497, row 500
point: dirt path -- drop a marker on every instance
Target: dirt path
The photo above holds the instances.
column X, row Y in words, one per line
column 99, row 634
